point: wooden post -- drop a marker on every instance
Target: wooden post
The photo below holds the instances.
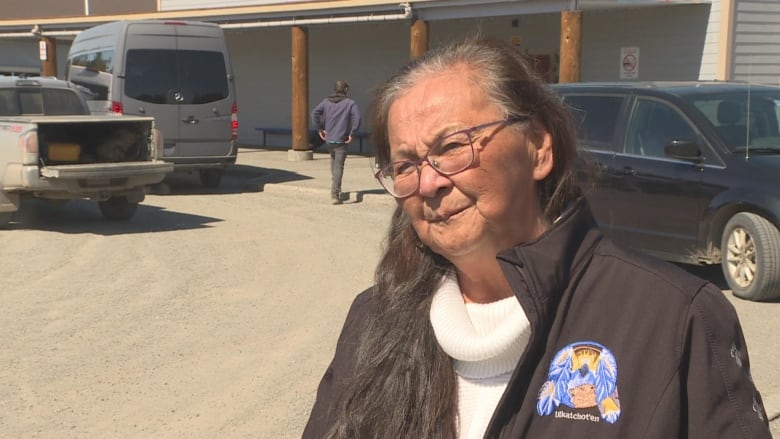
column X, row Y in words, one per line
column 300, row 88
column 48, row 54
column 419, row 38
column 571, row 46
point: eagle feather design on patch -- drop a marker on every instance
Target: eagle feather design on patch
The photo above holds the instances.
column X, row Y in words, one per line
column 582, row 375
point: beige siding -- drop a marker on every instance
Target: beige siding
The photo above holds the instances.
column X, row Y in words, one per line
column 708, row 69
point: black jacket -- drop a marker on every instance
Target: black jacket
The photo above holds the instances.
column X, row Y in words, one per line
column 622, row 346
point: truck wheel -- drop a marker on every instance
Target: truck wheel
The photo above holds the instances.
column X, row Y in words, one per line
column 117, row 209
column 210, row 177
column 750, row 257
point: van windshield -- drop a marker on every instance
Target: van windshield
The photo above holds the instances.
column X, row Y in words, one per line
column 175, row 77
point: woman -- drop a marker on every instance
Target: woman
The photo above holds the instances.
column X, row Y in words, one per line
column 499, row 309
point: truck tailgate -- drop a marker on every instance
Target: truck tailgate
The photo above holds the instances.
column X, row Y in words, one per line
column 105, row 170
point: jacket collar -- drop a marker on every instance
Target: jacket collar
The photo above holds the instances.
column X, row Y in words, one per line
column 545, row 266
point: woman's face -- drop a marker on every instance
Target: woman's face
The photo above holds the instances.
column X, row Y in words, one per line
column 493, row 204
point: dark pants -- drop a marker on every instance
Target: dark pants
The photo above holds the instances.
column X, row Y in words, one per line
column 338, row 155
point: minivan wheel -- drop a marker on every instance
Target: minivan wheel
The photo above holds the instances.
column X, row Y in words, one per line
column 750, row 257
column 117, row 209
column 210, row 177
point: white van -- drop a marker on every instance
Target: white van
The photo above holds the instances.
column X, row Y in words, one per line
column 177, row 71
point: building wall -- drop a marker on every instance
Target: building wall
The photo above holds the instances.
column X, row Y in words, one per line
column 43, row 9
column 20, row 56
column 112, row 7
column 261, row 57
column 708, row 70
column 674, row 41
column 757, row 41
column 74, row 8
column 671, row 42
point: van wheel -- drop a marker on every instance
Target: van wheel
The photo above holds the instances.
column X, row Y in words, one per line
column 750, row 257
column 210, row 177
column 117, row 209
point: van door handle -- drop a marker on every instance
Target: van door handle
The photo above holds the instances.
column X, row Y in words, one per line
column 190, row 120
column 627, row 170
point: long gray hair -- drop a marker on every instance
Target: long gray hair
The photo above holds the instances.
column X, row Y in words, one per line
column 404, row 384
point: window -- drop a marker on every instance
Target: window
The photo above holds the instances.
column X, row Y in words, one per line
column 8, row 102
column 49, row 101
column 95, row 61
column 62, row 102
column 596, row 117
column 742, row 117
column 654, row 125
column 93, row 71
column 176, row 76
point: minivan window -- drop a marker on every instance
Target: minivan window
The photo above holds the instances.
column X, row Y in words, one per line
column 654, row 125
column 596, row 117
column 175, row 77
column 728, row 114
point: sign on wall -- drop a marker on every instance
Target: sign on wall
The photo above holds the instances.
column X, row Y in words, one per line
column 43, row 50
column 629, row 63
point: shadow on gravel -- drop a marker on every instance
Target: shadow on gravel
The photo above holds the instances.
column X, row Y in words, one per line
column 359, row 195
column 84, row 217
column 235, row 180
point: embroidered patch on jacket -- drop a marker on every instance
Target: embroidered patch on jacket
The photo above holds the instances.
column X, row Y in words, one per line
column 581, row 384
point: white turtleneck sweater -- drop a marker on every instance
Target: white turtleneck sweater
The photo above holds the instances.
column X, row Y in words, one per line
column 485, row 342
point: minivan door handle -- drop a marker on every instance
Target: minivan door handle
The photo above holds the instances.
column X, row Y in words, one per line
column 627, row 170
column 190, row 120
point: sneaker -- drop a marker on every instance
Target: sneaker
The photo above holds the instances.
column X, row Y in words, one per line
column 336, row 198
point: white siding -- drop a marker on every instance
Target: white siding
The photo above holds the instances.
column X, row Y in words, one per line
column 757, row 41
column 675, row 42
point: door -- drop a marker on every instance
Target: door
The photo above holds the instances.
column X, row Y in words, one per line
column 178, row 74
column 598, row 118
column 657, row 201
column 207, row 99
column 151, row 79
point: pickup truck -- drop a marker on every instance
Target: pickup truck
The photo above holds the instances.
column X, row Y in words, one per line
column 51, row 147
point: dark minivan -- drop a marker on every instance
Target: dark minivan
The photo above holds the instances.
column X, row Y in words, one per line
column 688, row 172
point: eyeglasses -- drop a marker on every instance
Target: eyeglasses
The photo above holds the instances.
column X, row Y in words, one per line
column 454, row 154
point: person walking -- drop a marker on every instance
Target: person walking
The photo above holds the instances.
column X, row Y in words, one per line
column 336, row 119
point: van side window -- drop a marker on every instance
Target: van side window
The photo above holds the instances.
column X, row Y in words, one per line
column 94, row 71
column 596, row 117
column 654, row 125
column 175, row 77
